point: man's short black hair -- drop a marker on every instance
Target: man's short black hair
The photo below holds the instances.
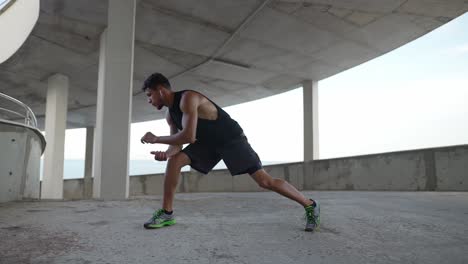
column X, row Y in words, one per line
column 156, row 79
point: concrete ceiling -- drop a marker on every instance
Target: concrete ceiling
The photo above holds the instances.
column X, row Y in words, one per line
column 233, row 51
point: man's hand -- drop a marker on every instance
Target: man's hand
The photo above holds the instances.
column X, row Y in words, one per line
column 164, row 155
column 173, row 150
column 149, row 138
column 159, row 155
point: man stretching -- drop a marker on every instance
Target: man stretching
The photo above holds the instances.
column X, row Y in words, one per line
column 212, row 135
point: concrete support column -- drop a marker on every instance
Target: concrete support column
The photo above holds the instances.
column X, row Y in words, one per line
column 114, row 103
column 88, row 169
column 55, row 125
column 311, row 136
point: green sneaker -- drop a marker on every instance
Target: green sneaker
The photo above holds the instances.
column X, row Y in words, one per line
column 160, row 219
column 312, row 216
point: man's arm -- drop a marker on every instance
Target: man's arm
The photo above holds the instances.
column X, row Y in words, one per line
column 189, row 107
column 173, row 149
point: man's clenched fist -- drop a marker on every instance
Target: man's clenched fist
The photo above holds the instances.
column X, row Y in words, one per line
column 149, row 138
column 159, row 155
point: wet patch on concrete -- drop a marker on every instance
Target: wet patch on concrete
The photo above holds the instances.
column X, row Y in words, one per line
column 84, row 211
column 217, row 255
column 103, row 206
column 99, row 223
column 323, row 229
column 361, row 220
column 37, row 210
column 66, row 206
column 220, row 254
column 35, row 244
column 11, row 228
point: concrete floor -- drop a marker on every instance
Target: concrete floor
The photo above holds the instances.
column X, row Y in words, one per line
column 357, row 227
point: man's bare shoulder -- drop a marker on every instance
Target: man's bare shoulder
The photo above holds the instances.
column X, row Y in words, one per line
column 190, row 99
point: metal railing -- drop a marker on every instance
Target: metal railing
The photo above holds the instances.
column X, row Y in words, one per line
column 29, row 117
column 5, row 4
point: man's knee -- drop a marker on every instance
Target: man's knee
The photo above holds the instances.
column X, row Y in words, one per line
column 269, row 182
column 265, row 183
column 179, row 160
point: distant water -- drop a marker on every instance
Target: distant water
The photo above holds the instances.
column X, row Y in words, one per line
column 74, row 169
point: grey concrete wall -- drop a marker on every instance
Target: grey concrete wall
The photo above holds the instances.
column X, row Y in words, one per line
column 437, row 169
column 451, row 169
column 20, row 152
column 73, row 189
column 398, row 171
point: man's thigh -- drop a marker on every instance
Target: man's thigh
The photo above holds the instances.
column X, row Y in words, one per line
column 202, row 156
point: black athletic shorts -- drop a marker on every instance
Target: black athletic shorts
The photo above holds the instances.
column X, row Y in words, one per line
column 237, row 154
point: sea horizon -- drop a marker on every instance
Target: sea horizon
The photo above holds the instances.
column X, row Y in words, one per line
column 74, row 168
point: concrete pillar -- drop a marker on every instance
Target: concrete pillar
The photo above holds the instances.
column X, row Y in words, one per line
column 114, row 103
column 88, row 169
column 55, row 125
column 311, row 136
column 97, row 146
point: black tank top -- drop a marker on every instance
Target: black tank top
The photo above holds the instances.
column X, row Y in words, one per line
column 213, row 132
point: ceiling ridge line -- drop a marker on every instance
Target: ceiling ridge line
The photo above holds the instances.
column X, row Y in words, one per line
column 143, row 44
column 188, row 17
column 34, row 34
column 164, row 47
column 227, row 41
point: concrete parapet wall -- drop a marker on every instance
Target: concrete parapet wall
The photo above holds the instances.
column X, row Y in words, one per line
column 451, row 170
column 437, row 169
column 73, row 189
column 20, row 152
column 398, row 171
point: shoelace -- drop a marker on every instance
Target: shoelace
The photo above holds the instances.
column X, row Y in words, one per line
column 311, row 216
column 158, row 214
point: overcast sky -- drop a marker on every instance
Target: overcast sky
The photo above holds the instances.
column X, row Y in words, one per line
column 413, row 97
